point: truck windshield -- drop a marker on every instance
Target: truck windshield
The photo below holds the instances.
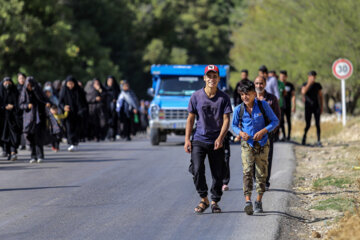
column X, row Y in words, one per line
column 180, row 85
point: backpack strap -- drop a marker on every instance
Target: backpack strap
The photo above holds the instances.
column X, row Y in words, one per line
column 241, row 114
column 262, row 110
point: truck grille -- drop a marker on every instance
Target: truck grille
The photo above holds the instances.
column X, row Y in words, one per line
column 176, row 113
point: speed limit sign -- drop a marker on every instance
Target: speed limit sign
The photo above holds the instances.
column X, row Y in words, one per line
column 342, row 68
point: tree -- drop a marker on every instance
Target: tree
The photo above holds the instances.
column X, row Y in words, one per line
column 299, row 36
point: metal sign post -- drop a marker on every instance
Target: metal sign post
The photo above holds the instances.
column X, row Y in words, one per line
column 342, row 69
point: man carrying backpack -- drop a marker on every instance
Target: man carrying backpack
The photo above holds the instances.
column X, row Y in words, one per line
column 263, row 95
column 252, row 121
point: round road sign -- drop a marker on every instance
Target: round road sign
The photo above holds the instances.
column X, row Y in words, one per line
column 342, row 68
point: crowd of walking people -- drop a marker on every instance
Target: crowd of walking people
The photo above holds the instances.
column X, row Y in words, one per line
column 258, row 117
column 33, row 116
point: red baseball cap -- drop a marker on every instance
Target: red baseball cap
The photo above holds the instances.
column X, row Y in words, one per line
column 212, row 68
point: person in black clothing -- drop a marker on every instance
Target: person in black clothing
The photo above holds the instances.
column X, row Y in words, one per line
column 236, row 95
column 96, row 97
column 71, row 100
column 313, row 98
column 289, row 104
column 113, row 91
column 21, row 77
column 10, row 124
column 33, row 102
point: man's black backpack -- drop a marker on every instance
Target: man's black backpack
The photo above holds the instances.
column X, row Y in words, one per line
column 266, row 119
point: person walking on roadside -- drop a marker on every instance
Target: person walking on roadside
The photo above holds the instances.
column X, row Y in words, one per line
column 58, row 117
column 211, row 108
column 113, row 91
column 313, row 97
column 127, row 106
column 236, row 94
column 33, row 103
column 263, row 95
column 71, row 100
column 252, row 121
column 271, row 82
column 21, row 77
column 10, row 124
column 289, row 105
column 96, row 97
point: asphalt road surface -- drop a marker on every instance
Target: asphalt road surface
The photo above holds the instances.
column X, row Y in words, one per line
column 131, row 190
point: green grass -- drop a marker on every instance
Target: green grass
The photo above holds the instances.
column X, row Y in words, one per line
column 331, row 181
column 338, row 204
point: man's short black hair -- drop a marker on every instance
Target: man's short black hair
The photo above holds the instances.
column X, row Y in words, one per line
column 273, row 72
column 246, row 86
column 245, row 71
column 312, row 73
column 283, row 72
column 263, row 69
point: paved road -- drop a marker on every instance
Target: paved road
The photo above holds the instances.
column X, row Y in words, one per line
column 130, row 190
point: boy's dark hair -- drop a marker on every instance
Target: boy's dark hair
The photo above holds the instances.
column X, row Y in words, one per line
column 273, row 72
column 245, row 71
column 312, row 73
column 246, row 86
column 54, row 107
column 263, row 69
column 283, row 72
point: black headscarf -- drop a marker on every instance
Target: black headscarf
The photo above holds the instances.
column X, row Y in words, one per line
column 114, row 90
column 10, row 123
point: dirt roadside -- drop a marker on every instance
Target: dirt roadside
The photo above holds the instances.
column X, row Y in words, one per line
column 326, row 184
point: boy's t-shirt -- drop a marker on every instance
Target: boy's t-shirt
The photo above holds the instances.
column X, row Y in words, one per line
column 312, row 95
column 289, row 88
column 254, row 122
column 281, row 86
column 209, row 114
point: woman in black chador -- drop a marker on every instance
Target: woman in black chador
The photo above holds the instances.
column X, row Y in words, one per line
column 96, row 97
column 71, row 100
column 33, row 103
column 113, row 91
column 10, row 123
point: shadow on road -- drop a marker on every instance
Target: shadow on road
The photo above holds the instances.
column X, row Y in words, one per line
column 88, row 161
column 23, row 167
column 287, row 215
column 310, row 193
column 34, row 188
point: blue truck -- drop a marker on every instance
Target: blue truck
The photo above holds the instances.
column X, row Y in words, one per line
column 172, row 87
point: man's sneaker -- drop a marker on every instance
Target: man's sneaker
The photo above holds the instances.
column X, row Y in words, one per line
column 32, row 160
column 72, row 148
column 258, row 207
column 249, row 208
column 225, row 188
column 13, row 157
column 319, row 144
column 39, row 160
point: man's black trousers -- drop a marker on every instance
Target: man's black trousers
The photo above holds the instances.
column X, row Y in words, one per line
column 217, row 164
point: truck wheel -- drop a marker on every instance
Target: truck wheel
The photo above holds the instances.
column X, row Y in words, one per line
column 163, row 137
column 154, row 136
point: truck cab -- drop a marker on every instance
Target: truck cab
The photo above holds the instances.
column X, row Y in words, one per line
column 172, row 87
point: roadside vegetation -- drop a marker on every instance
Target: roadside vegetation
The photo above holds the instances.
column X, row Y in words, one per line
column 327, row 182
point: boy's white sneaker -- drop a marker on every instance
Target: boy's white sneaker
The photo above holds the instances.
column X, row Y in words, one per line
column 32, row 160
column 72, row 148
